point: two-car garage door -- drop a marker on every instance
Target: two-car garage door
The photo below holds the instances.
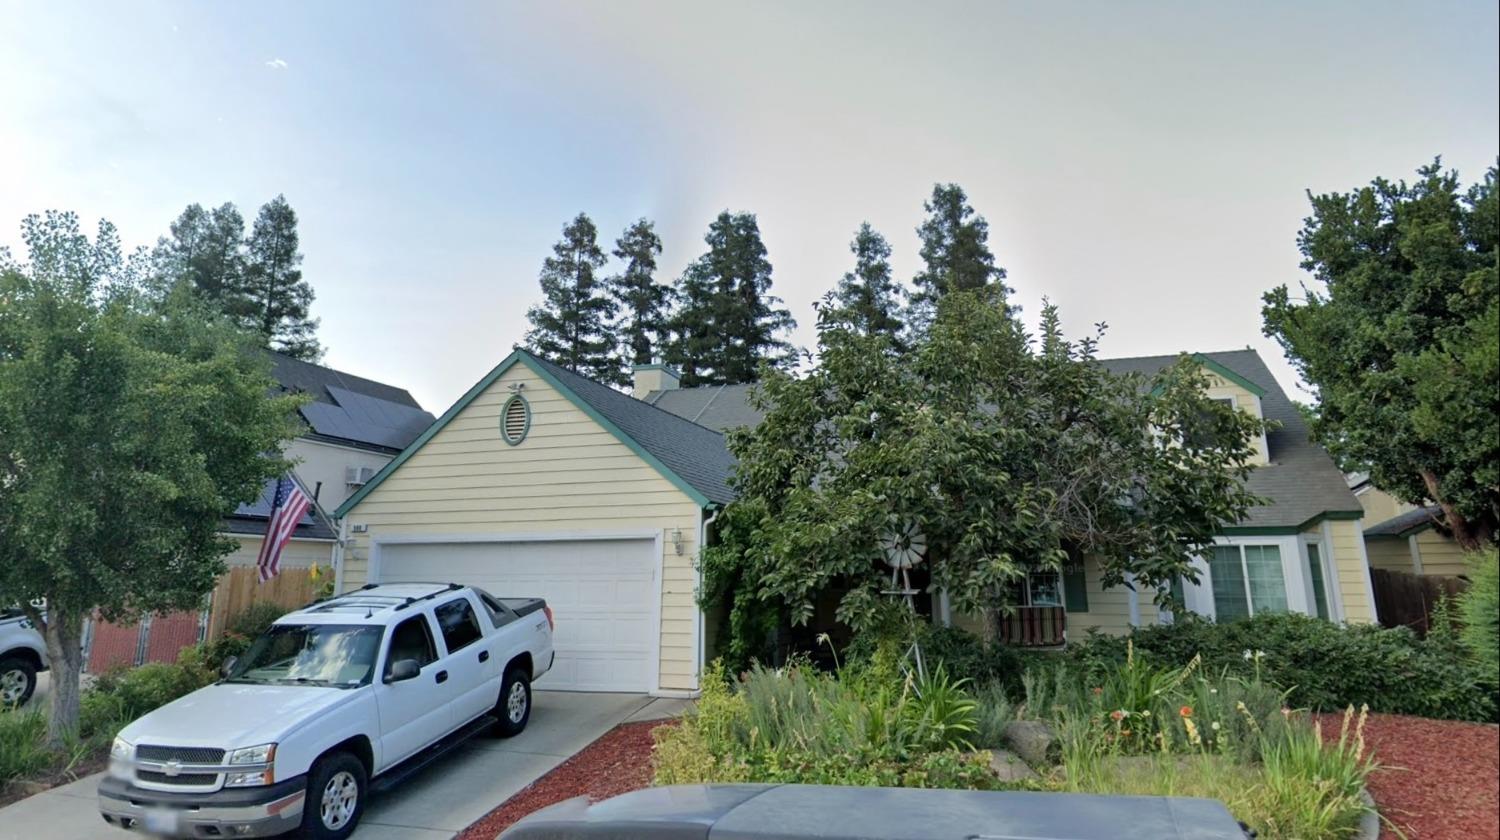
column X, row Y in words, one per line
column 601, row 593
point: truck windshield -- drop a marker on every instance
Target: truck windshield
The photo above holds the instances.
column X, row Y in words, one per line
column 338, row 655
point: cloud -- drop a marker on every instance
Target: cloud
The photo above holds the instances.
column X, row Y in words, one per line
column 276, row 64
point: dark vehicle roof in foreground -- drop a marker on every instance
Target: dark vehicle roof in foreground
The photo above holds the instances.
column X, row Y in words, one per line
column 796, row 812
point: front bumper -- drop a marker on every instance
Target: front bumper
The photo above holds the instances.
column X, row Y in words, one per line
column 236, row 812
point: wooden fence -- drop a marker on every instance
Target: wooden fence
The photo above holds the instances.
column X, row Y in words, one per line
column 241, row 587
column 1405, row 599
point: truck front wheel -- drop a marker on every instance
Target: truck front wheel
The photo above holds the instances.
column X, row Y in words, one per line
column 17, row 681
column 336, row 790
column 514, row 707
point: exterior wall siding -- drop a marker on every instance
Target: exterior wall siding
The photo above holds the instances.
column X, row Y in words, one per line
column 1440, row 555
column 1389, row 553
column 1220, row 388
column 569, row 476
column 325, row 464
column 297, row 554
column 1348, row 544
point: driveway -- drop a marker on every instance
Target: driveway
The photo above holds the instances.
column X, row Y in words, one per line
column 434, row 805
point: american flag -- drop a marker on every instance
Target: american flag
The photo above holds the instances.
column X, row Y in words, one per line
column 286, row 511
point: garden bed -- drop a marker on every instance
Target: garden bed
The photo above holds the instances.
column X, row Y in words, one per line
column 618, row 762
column 1437, row 779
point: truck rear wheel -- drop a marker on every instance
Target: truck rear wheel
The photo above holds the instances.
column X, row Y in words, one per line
column 514, row 706
column 336, row 790
column 17, row 681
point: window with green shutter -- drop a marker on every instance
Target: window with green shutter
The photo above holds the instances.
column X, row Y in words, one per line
column 1075, row 587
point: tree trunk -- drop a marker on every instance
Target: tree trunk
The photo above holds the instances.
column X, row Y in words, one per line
column 1465, row 533
column 64, row 634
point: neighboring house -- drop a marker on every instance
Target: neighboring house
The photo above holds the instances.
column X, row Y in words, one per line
column 1404, row 537
column 353, row 427
column 540, row 482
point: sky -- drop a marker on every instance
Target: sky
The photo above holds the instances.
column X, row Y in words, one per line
column 1140, row 164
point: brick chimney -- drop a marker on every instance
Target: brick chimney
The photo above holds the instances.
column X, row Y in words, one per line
column 654, row 377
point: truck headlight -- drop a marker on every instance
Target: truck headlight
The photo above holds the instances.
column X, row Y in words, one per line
column 121, row 750
column 264, row 755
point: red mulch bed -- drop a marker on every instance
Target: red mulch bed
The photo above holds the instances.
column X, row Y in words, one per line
column 619, row 762
column 1440, row 778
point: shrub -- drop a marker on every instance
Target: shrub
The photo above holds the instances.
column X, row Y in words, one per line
column 1479, row 608
column 240, row 631
column 796, row 725
column 961, row 653
column 120, row 696
column 1321, row 665
column 23, row 750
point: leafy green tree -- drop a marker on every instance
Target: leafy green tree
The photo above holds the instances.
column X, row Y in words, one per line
column 206, row 248
column 955, row 250
column 1005, row 456
column 129, row 426
column 571, row 326
column 1400, row 335
column 276, row 297
column 870, row 298
column 728, row 323
column 643, row 302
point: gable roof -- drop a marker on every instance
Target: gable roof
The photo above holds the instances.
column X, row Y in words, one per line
column 692, row 457
column 350, row 409
column 1405, row 524
column 1301, row 482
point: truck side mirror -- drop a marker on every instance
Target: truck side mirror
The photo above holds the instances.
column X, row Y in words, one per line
column 403, row 669
column 227, row 666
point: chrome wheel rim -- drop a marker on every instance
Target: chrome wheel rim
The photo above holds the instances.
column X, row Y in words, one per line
column 12, row 686
column 515, row 703
column 340, row 796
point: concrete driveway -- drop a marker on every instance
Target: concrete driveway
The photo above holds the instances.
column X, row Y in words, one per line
column 434, row 805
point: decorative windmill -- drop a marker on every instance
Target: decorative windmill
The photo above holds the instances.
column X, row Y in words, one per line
column 903, row 547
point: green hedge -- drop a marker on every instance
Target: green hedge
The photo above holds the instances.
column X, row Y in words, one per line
column 1322, row 665
column 1479, row 608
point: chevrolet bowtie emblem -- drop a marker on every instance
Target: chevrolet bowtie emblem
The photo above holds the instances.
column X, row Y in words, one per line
column 173, row 768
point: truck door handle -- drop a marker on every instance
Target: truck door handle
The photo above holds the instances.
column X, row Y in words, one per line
column 484, row 656
column 442, row 676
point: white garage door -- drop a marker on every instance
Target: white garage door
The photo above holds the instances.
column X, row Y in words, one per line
column 600, row 592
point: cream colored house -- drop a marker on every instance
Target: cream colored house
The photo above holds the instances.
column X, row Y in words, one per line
column 1403, row 537
column 539, row 482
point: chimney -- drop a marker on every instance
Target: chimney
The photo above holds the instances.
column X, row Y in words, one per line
column 654, row 377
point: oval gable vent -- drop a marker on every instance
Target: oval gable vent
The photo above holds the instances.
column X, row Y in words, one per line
column 515, row 420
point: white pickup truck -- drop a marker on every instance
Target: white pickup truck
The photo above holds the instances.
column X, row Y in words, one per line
column 346, row 694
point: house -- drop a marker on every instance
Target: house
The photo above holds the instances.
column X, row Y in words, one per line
column 540, row 482
column 352, row 428
column 1404, row 537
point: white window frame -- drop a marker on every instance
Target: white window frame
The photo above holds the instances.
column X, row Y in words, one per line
column 1330, row 580
column 1200, row 596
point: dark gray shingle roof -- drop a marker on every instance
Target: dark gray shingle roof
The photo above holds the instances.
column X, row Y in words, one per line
column 719, row 407
column 252, row 518
column 351, row 409
column 1404, row 524
column 695, row 453
column 1301, row 481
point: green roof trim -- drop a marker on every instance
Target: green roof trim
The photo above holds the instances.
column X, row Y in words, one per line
column 1285, row 530
column 516, row 356
column 1229, row 374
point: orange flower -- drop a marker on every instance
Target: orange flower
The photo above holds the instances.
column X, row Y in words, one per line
column 1117, row 715
column 1185, row 711
column 1098, row 691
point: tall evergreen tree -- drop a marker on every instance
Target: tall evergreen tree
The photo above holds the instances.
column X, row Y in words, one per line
column 955, row 249
column 641, row 300
column 571, row 326
column 276, row 297
column 728, row 322
column 870, row 299
column 206, row 249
